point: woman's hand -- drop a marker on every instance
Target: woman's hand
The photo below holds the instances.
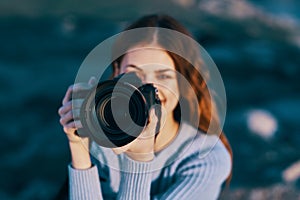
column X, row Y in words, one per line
column 70, row 110
column 69, row 119
column 142, row 148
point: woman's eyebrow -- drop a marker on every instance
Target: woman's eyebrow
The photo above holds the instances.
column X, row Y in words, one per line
column 134, row 66
column 157, row 71
column 165, row 70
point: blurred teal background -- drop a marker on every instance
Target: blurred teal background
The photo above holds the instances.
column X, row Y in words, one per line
column 255, row 44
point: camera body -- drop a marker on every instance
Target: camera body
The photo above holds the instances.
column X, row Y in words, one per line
column 115, row 112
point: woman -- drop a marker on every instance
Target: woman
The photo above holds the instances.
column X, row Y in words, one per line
column 175, row 164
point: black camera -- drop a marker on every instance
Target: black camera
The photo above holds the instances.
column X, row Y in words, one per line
column 116, row 111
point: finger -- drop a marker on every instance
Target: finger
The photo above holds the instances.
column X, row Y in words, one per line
column 147, row 134
column 150, row 130
column 78, row 87
column 66, row 118
column 74, row 104
column 68, row 94
column 152, row 114
column 65, row 108
column 70, row 116
column 163, row 117
column 74, row 125
column 153, row 118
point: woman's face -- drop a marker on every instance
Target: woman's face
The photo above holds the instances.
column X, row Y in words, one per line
column 157, row 67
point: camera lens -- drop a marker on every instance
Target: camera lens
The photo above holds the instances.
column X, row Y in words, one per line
column 122, row 116
column 117, row 111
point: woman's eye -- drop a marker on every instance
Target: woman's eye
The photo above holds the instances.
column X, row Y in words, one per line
column 164, row 76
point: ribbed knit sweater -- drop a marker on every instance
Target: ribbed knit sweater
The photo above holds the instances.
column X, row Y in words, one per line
column 193, row 166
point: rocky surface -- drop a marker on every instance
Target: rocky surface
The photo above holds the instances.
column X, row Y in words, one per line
column 256, row 46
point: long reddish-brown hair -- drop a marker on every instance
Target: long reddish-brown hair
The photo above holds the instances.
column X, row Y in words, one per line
column 205, row 107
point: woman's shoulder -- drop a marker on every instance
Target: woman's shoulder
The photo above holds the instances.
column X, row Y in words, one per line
column 205, row 151
column 200, row 146
column 199, row 140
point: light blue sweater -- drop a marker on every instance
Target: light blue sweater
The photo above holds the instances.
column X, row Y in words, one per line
column 193, row 166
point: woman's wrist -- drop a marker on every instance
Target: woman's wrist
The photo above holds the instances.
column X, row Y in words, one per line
column 80, row 156
column 141, row 157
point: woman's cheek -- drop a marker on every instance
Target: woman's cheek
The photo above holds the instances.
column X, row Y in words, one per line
column 171, row 101
column 169, row 95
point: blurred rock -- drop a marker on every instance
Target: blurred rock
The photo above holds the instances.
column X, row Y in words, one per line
column 262, row 123
column 292, row 173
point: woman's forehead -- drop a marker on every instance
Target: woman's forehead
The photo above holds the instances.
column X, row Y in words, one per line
column 155, row 57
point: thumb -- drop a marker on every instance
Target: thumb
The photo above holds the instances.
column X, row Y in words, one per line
column 150, row 129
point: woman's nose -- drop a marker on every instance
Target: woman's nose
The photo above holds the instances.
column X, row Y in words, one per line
column 149, row 78
column 152, row 80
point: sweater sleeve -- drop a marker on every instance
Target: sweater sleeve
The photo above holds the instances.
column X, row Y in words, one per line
column 84, row 184
column 200, row 177
column 135, row 179
column 135, row 182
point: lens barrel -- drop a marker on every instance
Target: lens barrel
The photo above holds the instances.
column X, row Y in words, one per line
column 116, row 111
